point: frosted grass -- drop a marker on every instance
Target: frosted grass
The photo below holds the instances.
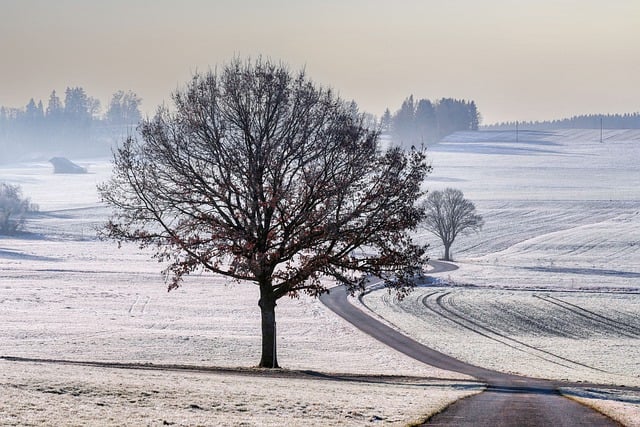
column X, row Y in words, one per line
column 562, row 220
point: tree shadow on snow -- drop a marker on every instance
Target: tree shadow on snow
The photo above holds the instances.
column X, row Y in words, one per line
column 616, row 395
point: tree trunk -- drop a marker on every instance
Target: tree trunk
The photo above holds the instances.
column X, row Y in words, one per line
column 446, row 253
column 268, row 310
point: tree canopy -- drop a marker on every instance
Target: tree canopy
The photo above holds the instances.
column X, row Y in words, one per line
column 262, row 176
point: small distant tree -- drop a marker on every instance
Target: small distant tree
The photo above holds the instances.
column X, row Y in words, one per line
column 426, row 123
column 475, row 118
column 77, row 106
column 403, row 125
column 386, row 120
column 55, row 108
column 34, row 112
column 124, row 109
column 449, row 214
column 261, row 176
column 13, row 208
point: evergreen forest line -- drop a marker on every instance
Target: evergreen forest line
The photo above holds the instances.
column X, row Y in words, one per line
column 76, row 126
column 73, row 126
column 584, row 121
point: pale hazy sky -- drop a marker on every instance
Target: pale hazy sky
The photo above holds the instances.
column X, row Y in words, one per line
column 518, row 59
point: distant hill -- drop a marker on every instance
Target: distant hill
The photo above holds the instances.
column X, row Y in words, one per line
column 590, row 121
column 540, row 138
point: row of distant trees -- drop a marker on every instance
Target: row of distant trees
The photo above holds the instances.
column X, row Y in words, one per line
column 75, row 126
column 424, row 121
column 65, row 126
column 585, row 121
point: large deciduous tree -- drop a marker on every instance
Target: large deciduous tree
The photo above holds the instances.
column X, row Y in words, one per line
column 259, row 175
column 449, row 214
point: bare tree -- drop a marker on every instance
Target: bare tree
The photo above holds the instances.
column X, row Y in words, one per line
column 265, row 178
column 449, row 214
column 13, row 208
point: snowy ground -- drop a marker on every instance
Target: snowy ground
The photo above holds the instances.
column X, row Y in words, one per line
column 42, row 394
column 561, row 209
column 549, row 288
column 66, row 295
column 575, row 336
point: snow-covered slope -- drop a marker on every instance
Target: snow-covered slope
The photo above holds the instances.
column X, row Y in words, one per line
column 560, row 208
column 562, row 214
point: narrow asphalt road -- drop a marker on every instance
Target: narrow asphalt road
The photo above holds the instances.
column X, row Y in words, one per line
column 510, row 400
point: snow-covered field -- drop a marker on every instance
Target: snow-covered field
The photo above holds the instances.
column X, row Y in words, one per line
column 575, row 336
column 66, row 295
column 549, row 288
column 42, row 394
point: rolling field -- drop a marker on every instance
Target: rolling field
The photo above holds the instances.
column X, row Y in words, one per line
column 574, row 336
column 549, row 288
column 66, row 296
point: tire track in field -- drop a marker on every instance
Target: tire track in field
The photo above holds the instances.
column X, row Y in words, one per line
column 556, row 218
column 528, row 322
column 135, row 308
column 604, row 322
column 475, row 326
column 509, row 400
column 470, row 328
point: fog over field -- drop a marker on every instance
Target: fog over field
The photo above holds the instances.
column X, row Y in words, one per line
column 548, row 288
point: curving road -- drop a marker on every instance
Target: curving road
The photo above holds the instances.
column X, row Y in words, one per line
column 509, row 400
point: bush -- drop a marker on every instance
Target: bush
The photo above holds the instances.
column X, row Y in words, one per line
column 13, row 208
